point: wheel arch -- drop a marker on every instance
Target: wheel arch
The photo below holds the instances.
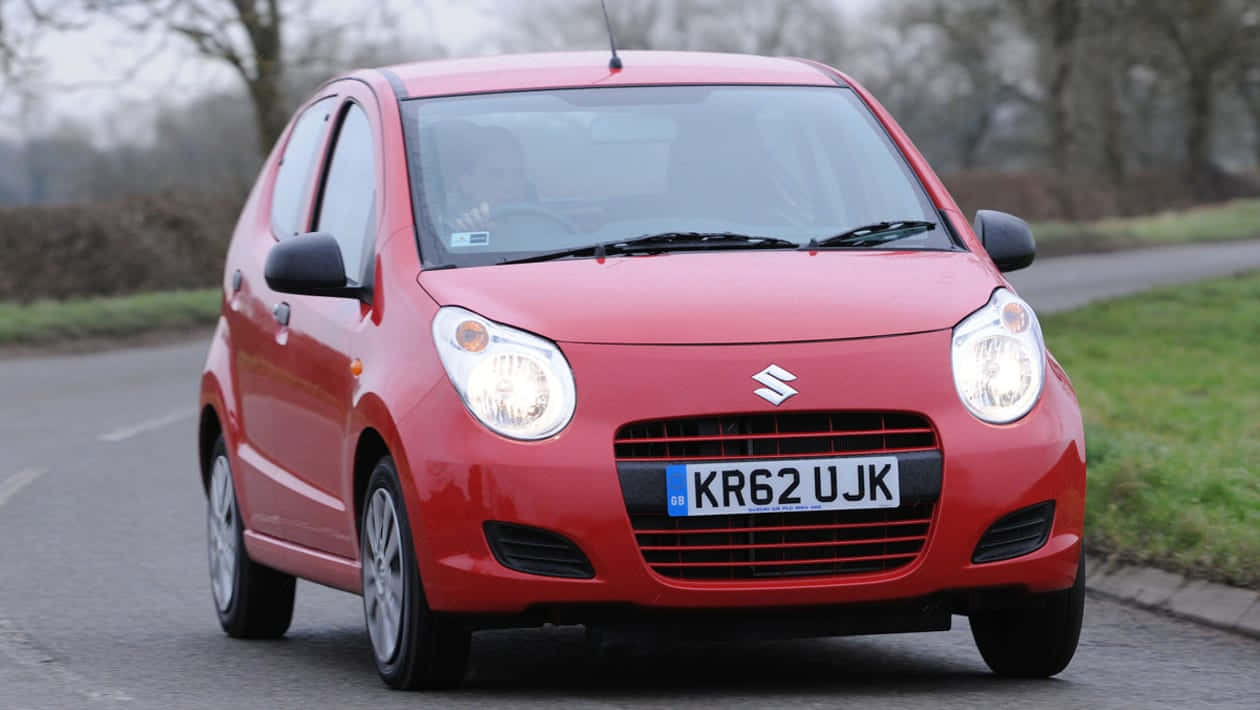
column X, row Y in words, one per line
column 368, row 450
column 377, row 437
column 209, row 429
column 217, row 414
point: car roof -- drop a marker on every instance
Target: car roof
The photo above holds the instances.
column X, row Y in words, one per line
column 515, row 72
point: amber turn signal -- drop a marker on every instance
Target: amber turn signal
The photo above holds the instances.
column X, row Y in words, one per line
column 1015, row 317
column 472, row 336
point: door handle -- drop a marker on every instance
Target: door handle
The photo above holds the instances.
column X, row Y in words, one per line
column 281, row 313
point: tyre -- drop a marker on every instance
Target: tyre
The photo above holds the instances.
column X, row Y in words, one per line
column 414, row 647
column 1034, row 642
column 252, row 600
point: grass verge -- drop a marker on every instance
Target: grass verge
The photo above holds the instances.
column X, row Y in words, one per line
column 55, row 321
column 1169, row 383
column 1234, row 220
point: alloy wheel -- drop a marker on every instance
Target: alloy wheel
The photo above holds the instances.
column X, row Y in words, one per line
column 383, row 585
column 222, row 537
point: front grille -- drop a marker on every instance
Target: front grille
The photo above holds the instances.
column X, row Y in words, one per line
column 731, row 547
column 1015, row 534
column 769, row 436
column 537, row 551
column 769, row 545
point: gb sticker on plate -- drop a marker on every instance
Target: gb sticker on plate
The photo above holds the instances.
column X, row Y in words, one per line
column 470, row 239
column 676, row 488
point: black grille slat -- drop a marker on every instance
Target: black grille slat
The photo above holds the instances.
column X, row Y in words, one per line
column 1011, row 527
column 538, row 545
column 1010, row 538
column 683, row 535
column 746, row 435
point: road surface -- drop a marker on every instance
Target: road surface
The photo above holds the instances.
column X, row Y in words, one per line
column 104, row 601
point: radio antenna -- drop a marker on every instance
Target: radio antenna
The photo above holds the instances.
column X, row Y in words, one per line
column 614, row 64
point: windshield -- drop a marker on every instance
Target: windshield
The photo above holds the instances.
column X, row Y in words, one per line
column 510, row 175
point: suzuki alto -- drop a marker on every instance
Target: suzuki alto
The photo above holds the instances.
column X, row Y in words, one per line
column 698, row 345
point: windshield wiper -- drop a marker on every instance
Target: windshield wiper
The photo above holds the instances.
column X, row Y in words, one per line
column 874, row 234
column 663, row 242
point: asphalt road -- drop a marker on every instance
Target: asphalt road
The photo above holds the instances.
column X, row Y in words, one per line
column 104, row 600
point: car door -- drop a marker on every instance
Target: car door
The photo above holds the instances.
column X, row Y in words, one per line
column 319, row 385
column 255, row 314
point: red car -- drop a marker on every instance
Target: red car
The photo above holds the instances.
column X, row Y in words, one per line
column 698, row 347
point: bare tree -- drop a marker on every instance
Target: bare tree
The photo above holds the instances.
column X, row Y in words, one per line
column 1247, row 75
column 8, row 53
column 972, row 44
column 262, row 41
column 249, row 36
column 1105, row 93
column 1062, row 18
column 1249, row 89
column 811, row 28
column 808, row 28
column 15, row 60
column 1205, row 41
column 552, row 25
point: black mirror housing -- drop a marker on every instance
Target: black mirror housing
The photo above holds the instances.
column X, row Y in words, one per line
column 310, row 265
column 1006, row 238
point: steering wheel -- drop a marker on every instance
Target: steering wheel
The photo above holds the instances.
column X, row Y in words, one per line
column 527, row 209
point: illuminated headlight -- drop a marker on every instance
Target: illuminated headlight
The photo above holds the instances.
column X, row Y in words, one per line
column 516, row 383
column 999, row 359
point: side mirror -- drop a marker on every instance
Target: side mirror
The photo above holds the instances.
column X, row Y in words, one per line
column 1007, row 238
column 310, row 265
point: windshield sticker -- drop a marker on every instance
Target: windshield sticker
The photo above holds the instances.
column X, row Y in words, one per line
column 470, row 239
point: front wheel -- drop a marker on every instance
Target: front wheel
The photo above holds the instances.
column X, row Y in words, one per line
column 1034, row 642
column 414, row 647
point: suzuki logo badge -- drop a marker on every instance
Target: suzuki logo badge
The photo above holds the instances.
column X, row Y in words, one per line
column 776, row 388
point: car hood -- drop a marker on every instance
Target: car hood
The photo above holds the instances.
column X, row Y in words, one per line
column 724, row 298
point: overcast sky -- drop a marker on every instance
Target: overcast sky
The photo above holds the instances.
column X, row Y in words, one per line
column 79, row 70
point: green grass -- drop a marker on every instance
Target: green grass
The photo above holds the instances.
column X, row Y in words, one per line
column 1169, row 383
column 53, row 321
column 1237, row 219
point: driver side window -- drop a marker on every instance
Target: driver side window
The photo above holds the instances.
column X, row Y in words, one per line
column 347, row 207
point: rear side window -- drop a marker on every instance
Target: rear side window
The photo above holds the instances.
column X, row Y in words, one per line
column 348, row 207
column 295, row 169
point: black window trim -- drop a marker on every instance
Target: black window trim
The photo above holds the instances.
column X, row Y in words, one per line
column 325, row 166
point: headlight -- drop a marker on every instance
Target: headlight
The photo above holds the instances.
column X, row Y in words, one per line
column 999, row 359
column 516, row 383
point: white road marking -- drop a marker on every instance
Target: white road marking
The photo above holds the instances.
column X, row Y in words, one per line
column 11, row 486
column 148, row 425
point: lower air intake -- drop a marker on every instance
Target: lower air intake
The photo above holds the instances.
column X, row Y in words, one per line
column 784, row 545
column 537, row 551
column 1019, row 533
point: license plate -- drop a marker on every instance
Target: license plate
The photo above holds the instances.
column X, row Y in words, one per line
column 782, row 485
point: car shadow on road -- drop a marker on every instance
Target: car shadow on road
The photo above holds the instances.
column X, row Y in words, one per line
column 559, row 662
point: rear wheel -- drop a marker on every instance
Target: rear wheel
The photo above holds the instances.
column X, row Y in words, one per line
column 252, row 600
column 1034, row 642
column 415, row 648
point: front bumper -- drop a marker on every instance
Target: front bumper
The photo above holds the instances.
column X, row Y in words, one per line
column 461, row 476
